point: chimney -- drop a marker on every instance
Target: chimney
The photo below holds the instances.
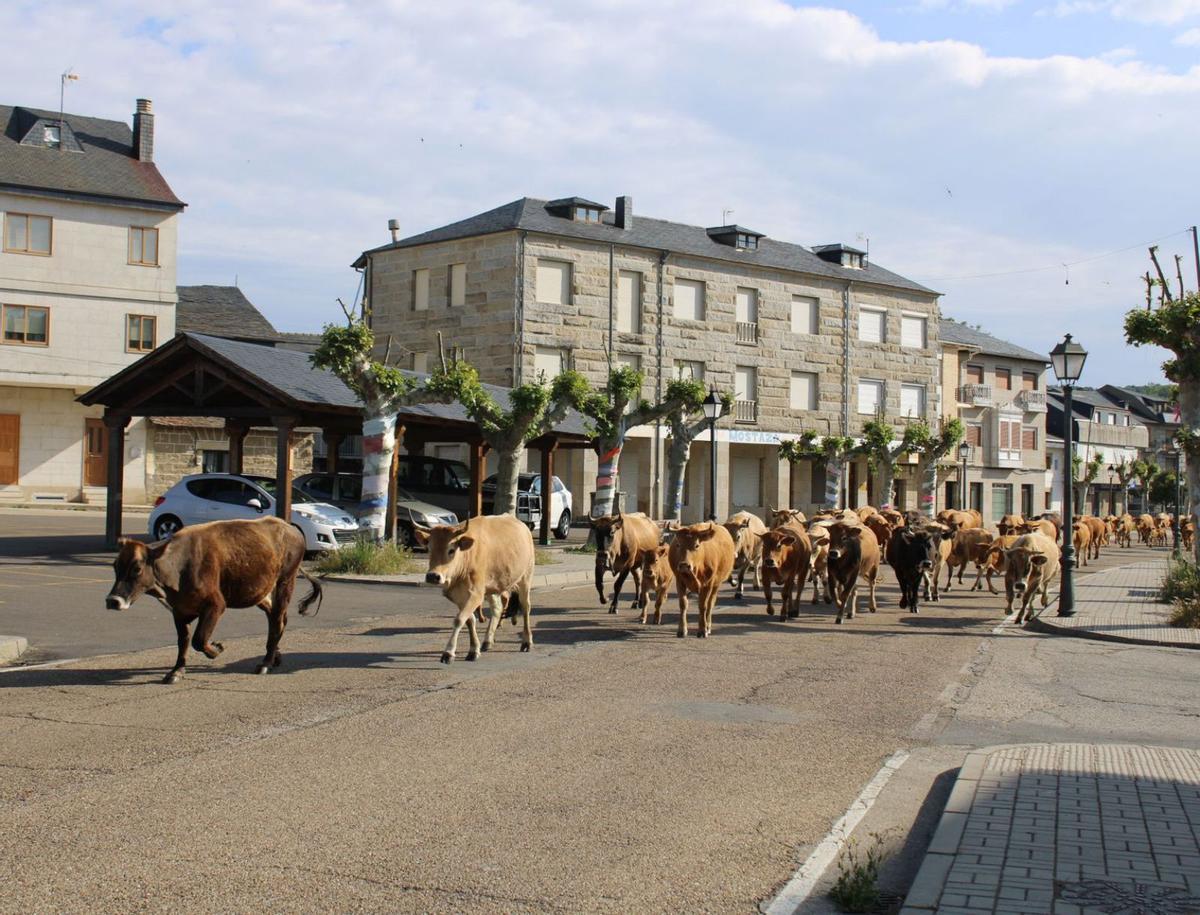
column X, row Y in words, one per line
column 394, row 228
column 624, row 218
column 143, row 131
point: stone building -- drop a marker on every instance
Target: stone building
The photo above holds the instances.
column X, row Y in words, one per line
column 998, row 390
column 807, row 339
column 87, row 286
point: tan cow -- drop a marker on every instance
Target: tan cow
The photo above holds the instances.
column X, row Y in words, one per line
column 1032, row 565
column 1126, row 528
column 958, row 520
column 1043, row 526
column 866, row 512
column 1145, row 528
column 657, row 577
column 941, row 558
column 1081, row 539
column 893, row 517
column 853, row 554
column 746, row 530
column 483, row 558
column 994, row 562
column 1099, row 533
column 1187, row 532
column 701, row 557
column 1010, row 524
column 818, row 538
column 786, row 555
column 622, row 542
column 778, row 516
column 969, row 545
column 882, row 529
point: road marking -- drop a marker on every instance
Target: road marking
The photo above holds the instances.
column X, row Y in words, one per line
column 804, row 881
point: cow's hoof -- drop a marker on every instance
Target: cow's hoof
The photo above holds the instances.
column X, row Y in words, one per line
column 173, row 677
column 681, row 634
column 447, row 657
column 794, row 616
column 770, row 611
column 262, row 669
column 701, row 634
column 737, row 595
column 486, row 646
column 526, row 646
column 278, row 660
column 838, row 621
column 612, row 609
column 472, row 655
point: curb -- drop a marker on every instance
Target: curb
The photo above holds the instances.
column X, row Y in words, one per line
column 86, row 507
column 12, row 647
column 1037, row 624
column 417, row 580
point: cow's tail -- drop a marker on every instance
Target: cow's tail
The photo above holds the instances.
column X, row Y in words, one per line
column 314, row 596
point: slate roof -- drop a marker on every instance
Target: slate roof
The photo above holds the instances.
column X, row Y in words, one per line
column 955, row 332
column 222, row 311
column 531, row 215
column 1142, row 405
column 103, row 167
column 1084, row 401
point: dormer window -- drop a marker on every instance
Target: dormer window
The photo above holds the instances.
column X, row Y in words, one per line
column 735, row 237
column 850, row 259
column 842, row 255
column 577, row 209
column 747, row 241
column 586, row 214
column 52, row 135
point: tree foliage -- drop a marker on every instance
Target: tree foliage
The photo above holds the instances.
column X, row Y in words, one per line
column 346, row 351
column 1174, row 326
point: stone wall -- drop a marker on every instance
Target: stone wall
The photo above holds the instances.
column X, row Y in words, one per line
column 175, row 452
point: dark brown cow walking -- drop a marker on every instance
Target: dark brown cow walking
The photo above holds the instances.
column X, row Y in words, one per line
column 206, row 568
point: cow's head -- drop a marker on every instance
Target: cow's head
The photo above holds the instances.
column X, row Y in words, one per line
column 920, row 545
column 448, row 546
column 781, row 516
column 1023, row 565
column 687, row 541
column 135, row 574
column 776, row 546
column 844, row 540
column 612, row 545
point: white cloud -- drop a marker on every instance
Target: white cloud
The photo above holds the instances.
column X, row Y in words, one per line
column 1190, row 38
column 1159, row 12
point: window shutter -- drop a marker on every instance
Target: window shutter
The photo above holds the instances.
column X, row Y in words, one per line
column 421, row 289
column 1029, row 439
column 804, row 314
column 974, row 435
column 912, row 332
column 689, row 300
column 553, row 282
column 1004, row 436
column 870, row 326
column 746, row 305
column 974, row 374
column 629, row 301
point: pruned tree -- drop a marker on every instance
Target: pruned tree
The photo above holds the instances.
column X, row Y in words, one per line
column 535, row 408
column 883, row 451
column 1085, row 475
column 1124, row 472
column 685, row 423
column 930, row 448
column 348, row 352
column 610, row 418
column 1162, row 489
column 1175, row 326
column 833, row 451
column 1144, row 472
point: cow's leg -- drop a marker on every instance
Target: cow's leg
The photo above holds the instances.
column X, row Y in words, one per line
column 683, row 609
column 871, row 605
column 937, row 591
column 209, row 617
column 707, row 600
column 276, row 623
column 797, row 593
column 473, row 634
column 617, row 583
column 962, row 568
column 767, row 580
column 1008, row 597
column 949, row 576
column 660, row 596
column 741, row 580
column 757, row 577
column 637, row 585
column 526, row 609
column 181, row 630
column 495, row 615
column 466, row 610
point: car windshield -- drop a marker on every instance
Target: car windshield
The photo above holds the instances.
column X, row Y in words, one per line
column 526, row 482
column 268, row 483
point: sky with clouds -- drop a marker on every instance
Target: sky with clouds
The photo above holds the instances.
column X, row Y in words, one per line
column 1016, row 155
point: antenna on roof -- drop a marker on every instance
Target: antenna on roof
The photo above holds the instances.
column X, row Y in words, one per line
column 725, row 214
column 67, row 76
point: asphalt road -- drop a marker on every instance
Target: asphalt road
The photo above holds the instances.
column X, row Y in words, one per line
column 615, row 768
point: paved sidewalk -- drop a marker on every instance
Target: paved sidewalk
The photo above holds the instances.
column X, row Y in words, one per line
column 1067, row 829
column 1120, row 605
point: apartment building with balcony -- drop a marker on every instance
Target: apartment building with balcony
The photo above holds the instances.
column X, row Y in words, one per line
column 87, row 286
column 807, row 339
column 998, row 390
column 1104, row 429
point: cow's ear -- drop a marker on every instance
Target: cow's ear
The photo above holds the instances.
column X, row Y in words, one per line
column 464, row 542
column 421, row 534
column 707, row 533
column 662, row 549
column 1038, row 559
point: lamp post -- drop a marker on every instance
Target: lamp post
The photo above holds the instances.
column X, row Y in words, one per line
column 1067, row 358
column 1174, row 453
column 1112, row 490
column 712, row 410
column 964, row 451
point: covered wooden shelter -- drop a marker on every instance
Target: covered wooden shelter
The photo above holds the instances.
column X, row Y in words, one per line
column 250, row 385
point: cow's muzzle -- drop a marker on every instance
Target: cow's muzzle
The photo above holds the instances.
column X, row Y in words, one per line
column 433, row 578
column 926, row 565
column 114, row 602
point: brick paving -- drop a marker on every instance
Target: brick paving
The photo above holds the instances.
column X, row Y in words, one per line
column 1120, row 605
column 1067, row 829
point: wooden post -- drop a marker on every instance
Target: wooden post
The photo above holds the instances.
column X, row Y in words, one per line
column 549, row 446
column 479, row 451
column 114, row 425
column 283, row 466
column 389, row 528
column 333, row 445
column 237, row 445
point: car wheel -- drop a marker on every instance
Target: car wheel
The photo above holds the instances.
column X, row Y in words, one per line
column 564, row 525
column 166, row 526
column 407, row 540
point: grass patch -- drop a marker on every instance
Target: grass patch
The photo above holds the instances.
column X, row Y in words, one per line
column 365, row 558
column 1182, row 582
column 545, row 558
column 587, row 548
column 857, row 886
column 1186, row 614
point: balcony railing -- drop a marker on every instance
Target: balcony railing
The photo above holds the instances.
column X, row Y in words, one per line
column 745, row 411
column 975, row 395
column 1031, row 401
column 747, row 332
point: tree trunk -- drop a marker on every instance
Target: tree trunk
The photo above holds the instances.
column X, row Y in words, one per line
column 833, row 482
column 1189, row 418
column 885, row 480
column 928, row 483
column 678, row 451
column 379, row 444
column 609, row 452
column 506, row 479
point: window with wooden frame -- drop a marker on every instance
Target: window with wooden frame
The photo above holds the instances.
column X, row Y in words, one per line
column 1029, row 438
column 973, row 374
column 973, row 434
column 1004, row 379
column 27, row 325
column 143, row 246
column 1029, row 381
column 25, row 233
column 140, row 333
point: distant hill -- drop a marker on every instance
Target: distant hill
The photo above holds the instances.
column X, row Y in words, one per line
column 1156, row 389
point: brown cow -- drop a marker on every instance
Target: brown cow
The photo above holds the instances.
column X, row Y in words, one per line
column 206, row 568
column 1099, row 532
column 1032, row 565
column 1145, row 527
column 483, row 558
column 1126, row 527
column 1081, row 539
column 853, row 554
column 746, row 530
column 701, row 557
column 818, row 537
column 994, row 562
column 941, row 557
column 1054, row 518
column 882, row 529
column 959, row 520
column 1187, row 532
column 623, row 541
column 657, row 577
column 893, row 517
column 778, row 516
column 968, row 546
column 1010, row 524
column 866, row 512
column 1043, row 526
column 786, row 554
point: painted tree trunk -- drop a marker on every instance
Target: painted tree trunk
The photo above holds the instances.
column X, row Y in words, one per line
column 885, row 481
column 511, row 457
column 1189, row 418
column 609, row 453
column 379, row 444
column 833, row 482
column 928, row 482
column 678, row 451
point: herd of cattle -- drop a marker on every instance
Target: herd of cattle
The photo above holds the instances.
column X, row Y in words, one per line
column 488, row 562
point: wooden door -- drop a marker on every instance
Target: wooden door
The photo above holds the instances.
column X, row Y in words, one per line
column 95, row 453
column 10, row 448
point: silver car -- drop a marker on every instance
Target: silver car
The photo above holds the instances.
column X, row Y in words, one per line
column 222, row 497
column 345, row 491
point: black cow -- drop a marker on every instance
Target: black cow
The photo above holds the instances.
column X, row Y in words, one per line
column 913, row 554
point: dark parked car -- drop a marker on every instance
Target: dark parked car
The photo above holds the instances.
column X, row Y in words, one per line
column 345, row 491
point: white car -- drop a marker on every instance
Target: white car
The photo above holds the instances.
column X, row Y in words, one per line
column 529, row 492
column 223, row 497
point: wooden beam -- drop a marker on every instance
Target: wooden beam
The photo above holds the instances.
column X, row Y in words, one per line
column 479, row 452
column 237, row 445
column 393, row 474
column 283, row 466
column 115, row 424
column 333, row 445
column 548, row 450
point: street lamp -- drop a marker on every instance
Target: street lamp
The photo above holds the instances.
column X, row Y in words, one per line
column 1067, row 359
column 712, row 412
column 964, row 451
column 1112, row 490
